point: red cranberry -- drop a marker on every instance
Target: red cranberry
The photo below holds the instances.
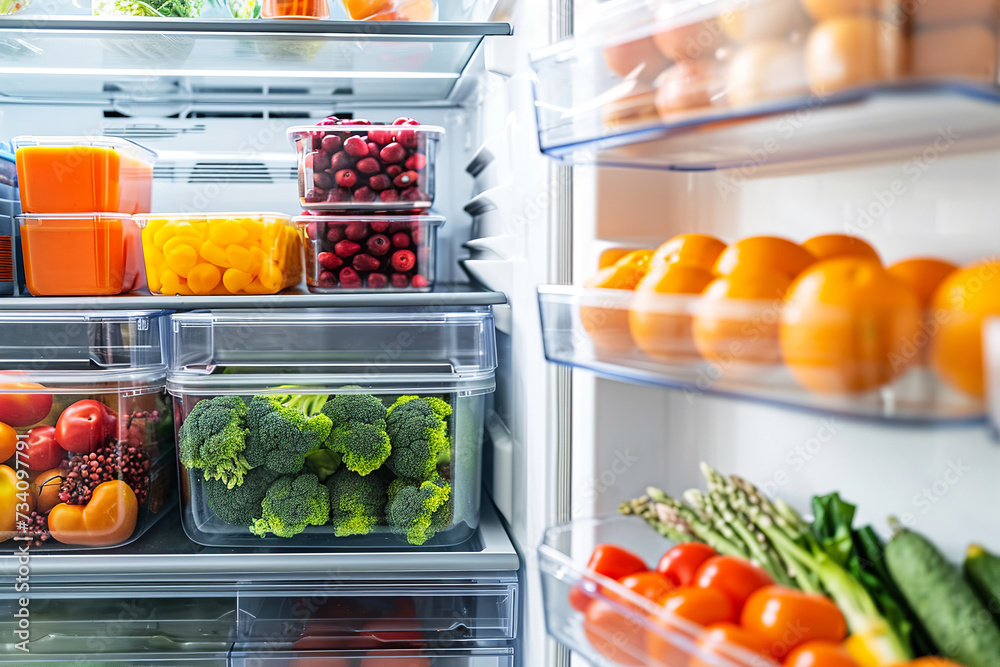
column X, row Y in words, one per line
column 327, row 279
column 356, row 231
column 322, row 180
column 369, row 165
column 406, row 179
column 365, row 263
column 340, row 160
column 346, row 248
column 346, row 178
column 379, row 182
column 379, row 226
column 377, row 281
column 340, row 195
column 349, row 278
column 401, row 120
column 413, row 194
column 358, row 121
column 315, row 196
column 389, row 196
column 373, row 148
column 420, row 281
column 403, row 260
column 356, row 147
column 399, row 226
column 364, row 194
column 393, row 153
column 415, row 234
column 331, row 143
column 317, row 161
column 393, row 170
column 401, row 240
column 416, row 162
column 335, row 233
column 407, row 138
column 378, row 245
column 311, row 231
column 400, row 281
column 380, row 137
column 329, row 261
column 329, row 120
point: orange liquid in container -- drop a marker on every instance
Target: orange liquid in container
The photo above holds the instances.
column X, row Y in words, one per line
column 295, row 9
column 82, row 179
column 81, row 255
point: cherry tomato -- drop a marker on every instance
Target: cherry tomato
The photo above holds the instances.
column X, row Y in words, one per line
column 86, row 426
column 703, row 606
column 681, row 563
column 651, row 585
column 719, row 640
column 820, row 654
column 616, row 634
column 43, row 451
column 611, row 561
column 23, row 409
column 8, row 442
column 787, row 618
column 735, row 577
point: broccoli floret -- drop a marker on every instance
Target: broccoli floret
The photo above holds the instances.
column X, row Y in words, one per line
column 323, row 463
column 364, row 408
column 292, row 503
column 281, row 436
column 363, row 447
column 357, row 504
column 213, row 439
column 419, row 509
column 240, row 506
column 309, row 404
column 418, row 431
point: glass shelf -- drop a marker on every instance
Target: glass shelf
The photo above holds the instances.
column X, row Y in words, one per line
column 58, row 58
column 916, row 398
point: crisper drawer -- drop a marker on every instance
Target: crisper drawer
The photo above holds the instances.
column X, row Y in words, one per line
column 101, row 659
column 367, row 616
column 496, row 657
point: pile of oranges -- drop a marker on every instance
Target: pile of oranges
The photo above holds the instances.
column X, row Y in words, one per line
column 839, row 320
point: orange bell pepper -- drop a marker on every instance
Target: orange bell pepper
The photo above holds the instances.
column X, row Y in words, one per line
column 109, row 518
column 12, row 501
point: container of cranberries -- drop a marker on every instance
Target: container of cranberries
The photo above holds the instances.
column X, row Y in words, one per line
column 86, row 437
column 354, row 165
column 360, row 253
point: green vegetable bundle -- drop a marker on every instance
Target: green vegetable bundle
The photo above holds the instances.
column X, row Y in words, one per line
column 162, row 8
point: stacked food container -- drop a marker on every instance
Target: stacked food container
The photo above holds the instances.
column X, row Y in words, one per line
column 11, row 273
column 78, row 195
column 85, row 427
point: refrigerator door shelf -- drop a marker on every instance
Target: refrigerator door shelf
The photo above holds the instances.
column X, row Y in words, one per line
column 485, row 657
column 592, row 329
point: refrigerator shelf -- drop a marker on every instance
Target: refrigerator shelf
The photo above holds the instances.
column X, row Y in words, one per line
column 916, row 398
column 389, row 61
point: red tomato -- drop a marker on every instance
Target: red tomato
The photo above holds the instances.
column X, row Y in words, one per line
column 616, row 634
column 651, row 585
column 787, row 618
column 703, row 606
column 735, row 577
column 43, row 452
column 681, row 563
column 86, row 426
column 611, row 561
column 721, row 637
column 23, row 409
column 821, row 654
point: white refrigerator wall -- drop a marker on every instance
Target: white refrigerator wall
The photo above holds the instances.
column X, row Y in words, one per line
column 939, row 201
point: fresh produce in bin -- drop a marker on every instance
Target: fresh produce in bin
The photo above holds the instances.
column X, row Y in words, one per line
column 276, row 464
column 391, row 10
column 175, row 8
column 358, row 253
column 356, row 165
column 220, row 253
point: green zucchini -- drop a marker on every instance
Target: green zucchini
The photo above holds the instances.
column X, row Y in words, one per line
column 955, row 618
column 982, row 569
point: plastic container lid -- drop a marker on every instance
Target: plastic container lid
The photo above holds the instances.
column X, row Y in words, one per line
column 129, row 148
column 143, row 219
column 293, row 132
column 49, row 341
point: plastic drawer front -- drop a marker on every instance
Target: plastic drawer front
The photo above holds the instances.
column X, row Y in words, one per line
column 99, row 659
column 497, row 657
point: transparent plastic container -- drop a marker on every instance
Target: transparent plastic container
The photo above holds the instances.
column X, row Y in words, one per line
column 856, row 363
column 90, row 254
column 295, row 9
column 83, row 175
column 448, row 357
column 640, row 70
column 76, row 386
column 381, row 252
column 407, row 657
column 391, row 10
column 11, row 270
column 396, row 173
column 633, row 629
column 220, row 253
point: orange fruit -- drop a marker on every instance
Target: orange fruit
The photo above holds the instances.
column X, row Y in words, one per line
column 960, row 305
column 768, row 253
column 607, row 321
column 848, row 326
column 637, row 259
column 829, row 246
column 8, row 442
column 611, row 256
column 698, row 250
column 736, row 319
column 661, row 325
column 923, row 274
